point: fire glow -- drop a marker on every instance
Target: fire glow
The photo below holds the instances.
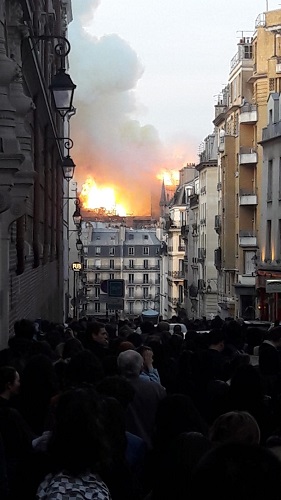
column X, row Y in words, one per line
column 104, row 198
column 170, row 177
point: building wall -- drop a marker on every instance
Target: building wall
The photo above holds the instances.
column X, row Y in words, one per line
column 31, row 185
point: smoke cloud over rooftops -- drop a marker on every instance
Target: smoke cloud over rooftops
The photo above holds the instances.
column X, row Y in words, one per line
column 110, row 143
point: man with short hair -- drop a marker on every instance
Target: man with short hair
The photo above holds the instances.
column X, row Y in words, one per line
column 141, row 412
column 96, row 339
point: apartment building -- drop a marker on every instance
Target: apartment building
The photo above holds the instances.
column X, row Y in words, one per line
column 31, row 156
column 207, row 240
column 174, row 238
column 240, row 115
column 268, row 279
column 122, row 253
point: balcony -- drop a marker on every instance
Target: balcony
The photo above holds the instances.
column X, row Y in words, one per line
column 248, row 156
column 247, row 198
column 181, row 248
column 247, row 239
column 248, row 114
column 272, row 131
column 104, row 267
column 217, row 226
column 201, row 254
column 194, row 262
column 178, row 275
column 184, row 232
column 140, row 267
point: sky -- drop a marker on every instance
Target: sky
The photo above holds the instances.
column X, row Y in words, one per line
column 148, row 73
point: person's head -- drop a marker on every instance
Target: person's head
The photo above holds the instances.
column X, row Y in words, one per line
column 177, row 330
column 237, row 470
column 216, row 339
column 9, row 381
column 78, row 442
column 25, row 328
column 117, row 387
column 84, row 367
column 235, row 426
column 274, row 335
column 98, row 333
column 130, row 363
column 176, row 413
column 146, row 353
column 71, row 347
column 163, row 326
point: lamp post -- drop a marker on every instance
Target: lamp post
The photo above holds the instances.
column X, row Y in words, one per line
column 61, row 86
column 76, row 267
column 62, row 91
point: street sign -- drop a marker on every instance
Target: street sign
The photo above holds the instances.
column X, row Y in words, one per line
column 116, row 288
column 104, row 286
column 76, row 266
column 116, row 304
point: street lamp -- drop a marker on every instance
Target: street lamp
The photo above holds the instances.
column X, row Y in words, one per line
column 68, row 165
column 62, row 90
column 77, row 217
column 62, row 87
column 79, row 244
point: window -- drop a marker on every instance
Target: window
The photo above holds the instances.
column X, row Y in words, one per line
column 131, row 292
column 145, row 236
column 131, row 308
column 131, row 236
column 145, row 278
column 145, row 264
column 97, row 292
column 268, row 239
column 131, row 264
column 97, row 307
column 279, row 178
column 97, row 278
column 145, row 292
column 157, row 251
column 278, row 243
column 131, row 278
column 249, row 262
column 97, row 250
column 269, row 181
column 248, row 51
column 131, row 251
column 111, row 264
column 111, row 276
column 111, row 251
column 144, row 305
column 145, row 250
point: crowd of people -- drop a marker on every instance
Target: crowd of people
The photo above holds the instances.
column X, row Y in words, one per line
column 129, row 410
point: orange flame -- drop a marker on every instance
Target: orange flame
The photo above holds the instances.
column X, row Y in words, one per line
column 170, row 177
column 94, row 197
